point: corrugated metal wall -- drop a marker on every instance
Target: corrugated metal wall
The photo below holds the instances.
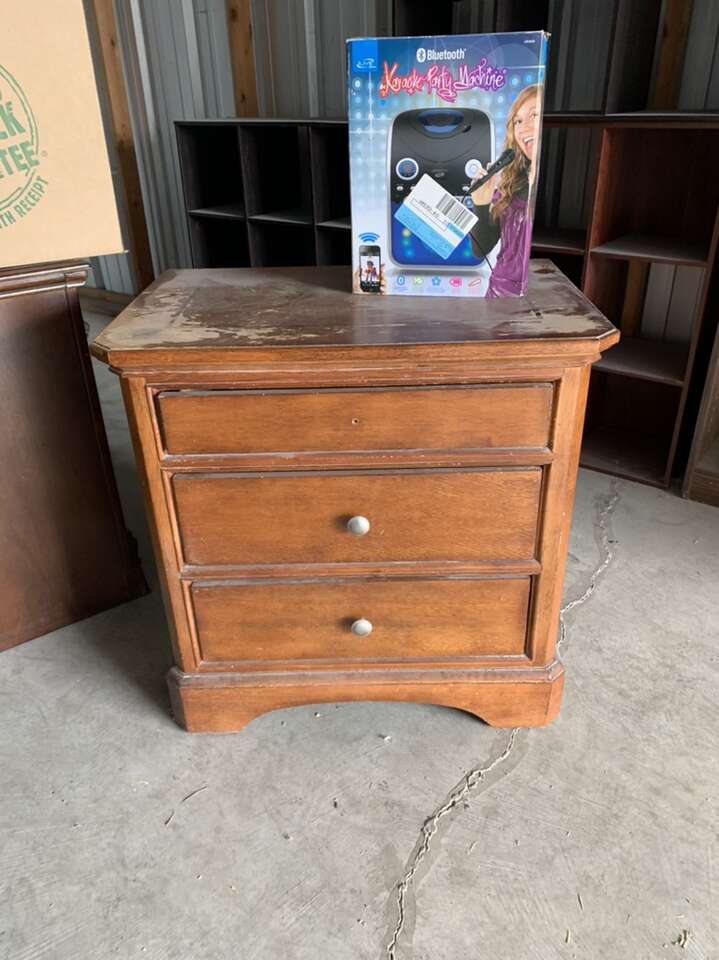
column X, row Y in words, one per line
column 700, row 79
column 300, row 55
column 176, row 60
column 114, row 272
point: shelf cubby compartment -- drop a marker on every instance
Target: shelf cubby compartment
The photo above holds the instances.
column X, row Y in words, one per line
column 211, row 170
column 329, row 149
column 630, row 427
column 655, row 249
column 643, row 359
column 218, row 242
column 565, row 187
column 275, row 244
column 334, row 247
column 558, row 240
column 644, row 212
column 654, row 305
column 276, row 168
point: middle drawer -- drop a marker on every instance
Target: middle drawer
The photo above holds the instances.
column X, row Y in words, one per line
column 475, row 515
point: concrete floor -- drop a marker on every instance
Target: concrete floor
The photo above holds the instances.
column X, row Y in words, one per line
column 302, row 837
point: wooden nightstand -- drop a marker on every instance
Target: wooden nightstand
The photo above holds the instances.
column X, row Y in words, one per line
column 357, row 498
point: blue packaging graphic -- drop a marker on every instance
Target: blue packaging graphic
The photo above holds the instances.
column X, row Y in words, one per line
column 444, row 155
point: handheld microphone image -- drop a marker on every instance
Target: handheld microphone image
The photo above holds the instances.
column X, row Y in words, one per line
column 502, row 161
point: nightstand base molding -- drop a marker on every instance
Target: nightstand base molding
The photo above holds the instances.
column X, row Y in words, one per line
column 226, row 702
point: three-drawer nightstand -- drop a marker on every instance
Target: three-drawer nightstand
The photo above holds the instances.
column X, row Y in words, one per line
column 357, row 498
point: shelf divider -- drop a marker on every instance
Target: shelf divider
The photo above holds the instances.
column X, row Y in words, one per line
column 339, row 223
column 224, row 211
column 294, row 215
column 657, row 249
column 646, row 360
column 558, row 240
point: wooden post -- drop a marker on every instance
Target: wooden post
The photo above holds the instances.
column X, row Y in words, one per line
column 124, row 142
column 239, row 26
column 670, row 59
column 637, row 274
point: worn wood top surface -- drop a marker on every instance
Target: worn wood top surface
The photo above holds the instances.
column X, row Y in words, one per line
column 314, row 307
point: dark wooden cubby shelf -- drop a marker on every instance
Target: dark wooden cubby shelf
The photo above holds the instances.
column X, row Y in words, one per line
column 559, row 240
column 654, row 249
column 266, row 192
column 647, row 360
column 223, row 211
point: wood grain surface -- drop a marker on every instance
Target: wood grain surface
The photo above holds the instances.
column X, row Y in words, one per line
column 524, row 697
column 411, row 619
column 284, row 307
column 414, row 515
column 64, row 551
column 436, row 418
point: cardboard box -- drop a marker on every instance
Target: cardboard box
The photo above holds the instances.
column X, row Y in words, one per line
column 56, row 195
column 427, row 117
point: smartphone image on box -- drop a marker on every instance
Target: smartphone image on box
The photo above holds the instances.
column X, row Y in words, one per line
column 370, row 265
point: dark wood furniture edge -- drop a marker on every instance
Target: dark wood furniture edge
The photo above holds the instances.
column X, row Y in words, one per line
column 127, row 549
column 67, row 277
column 16, row 281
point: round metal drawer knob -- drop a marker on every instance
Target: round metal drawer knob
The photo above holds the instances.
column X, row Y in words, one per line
column 358, row 526
column 361, row 628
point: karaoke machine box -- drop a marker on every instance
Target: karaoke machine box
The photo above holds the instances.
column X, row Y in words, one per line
column 444, row 157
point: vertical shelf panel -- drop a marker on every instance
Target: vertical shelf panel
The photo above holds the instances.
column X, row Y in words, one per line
column 276, row 167
column 329, row 152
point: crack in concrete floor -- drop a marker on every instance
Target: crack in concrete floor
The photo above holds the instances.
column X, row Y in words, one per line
column 605, row 508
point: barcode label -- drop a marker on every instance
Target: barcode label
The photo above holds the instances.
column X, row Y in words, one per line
column 435, row 216
column 456, row 211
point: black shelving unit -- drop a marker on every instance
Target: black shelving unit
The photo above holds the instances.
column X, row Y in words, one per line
column 266, row 192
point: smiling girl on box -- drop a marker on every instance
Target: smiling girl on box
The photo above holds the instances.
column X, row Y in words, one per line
column 502, row 204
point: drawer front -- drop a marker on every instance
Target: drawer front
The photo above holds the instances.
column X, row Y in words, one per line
column 302, row 519
column 422, row 619
column 434, row 418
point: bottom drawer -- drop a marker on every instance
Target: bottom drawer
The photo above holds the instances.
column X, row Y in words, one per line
column 410, row 619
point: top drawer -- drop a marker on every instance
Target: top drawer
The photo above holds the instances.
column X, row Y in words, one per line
column 405, row 418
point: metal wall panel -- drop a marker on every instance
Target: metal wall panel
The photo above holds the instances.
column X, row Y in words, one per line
column 700, row 77
column 113, row 272
column 176, row 59
column 300, row 52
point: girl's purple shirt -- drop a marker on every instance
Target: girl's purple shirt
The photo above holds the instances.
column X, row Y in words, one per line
column 508, row 277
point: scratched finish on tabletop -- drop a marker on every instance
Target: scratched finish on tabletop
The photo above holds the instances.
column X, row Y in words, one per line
column 295, row 306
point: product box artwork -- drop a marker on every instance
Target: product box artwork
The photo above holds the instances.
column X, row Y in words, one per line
column 444, row 158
